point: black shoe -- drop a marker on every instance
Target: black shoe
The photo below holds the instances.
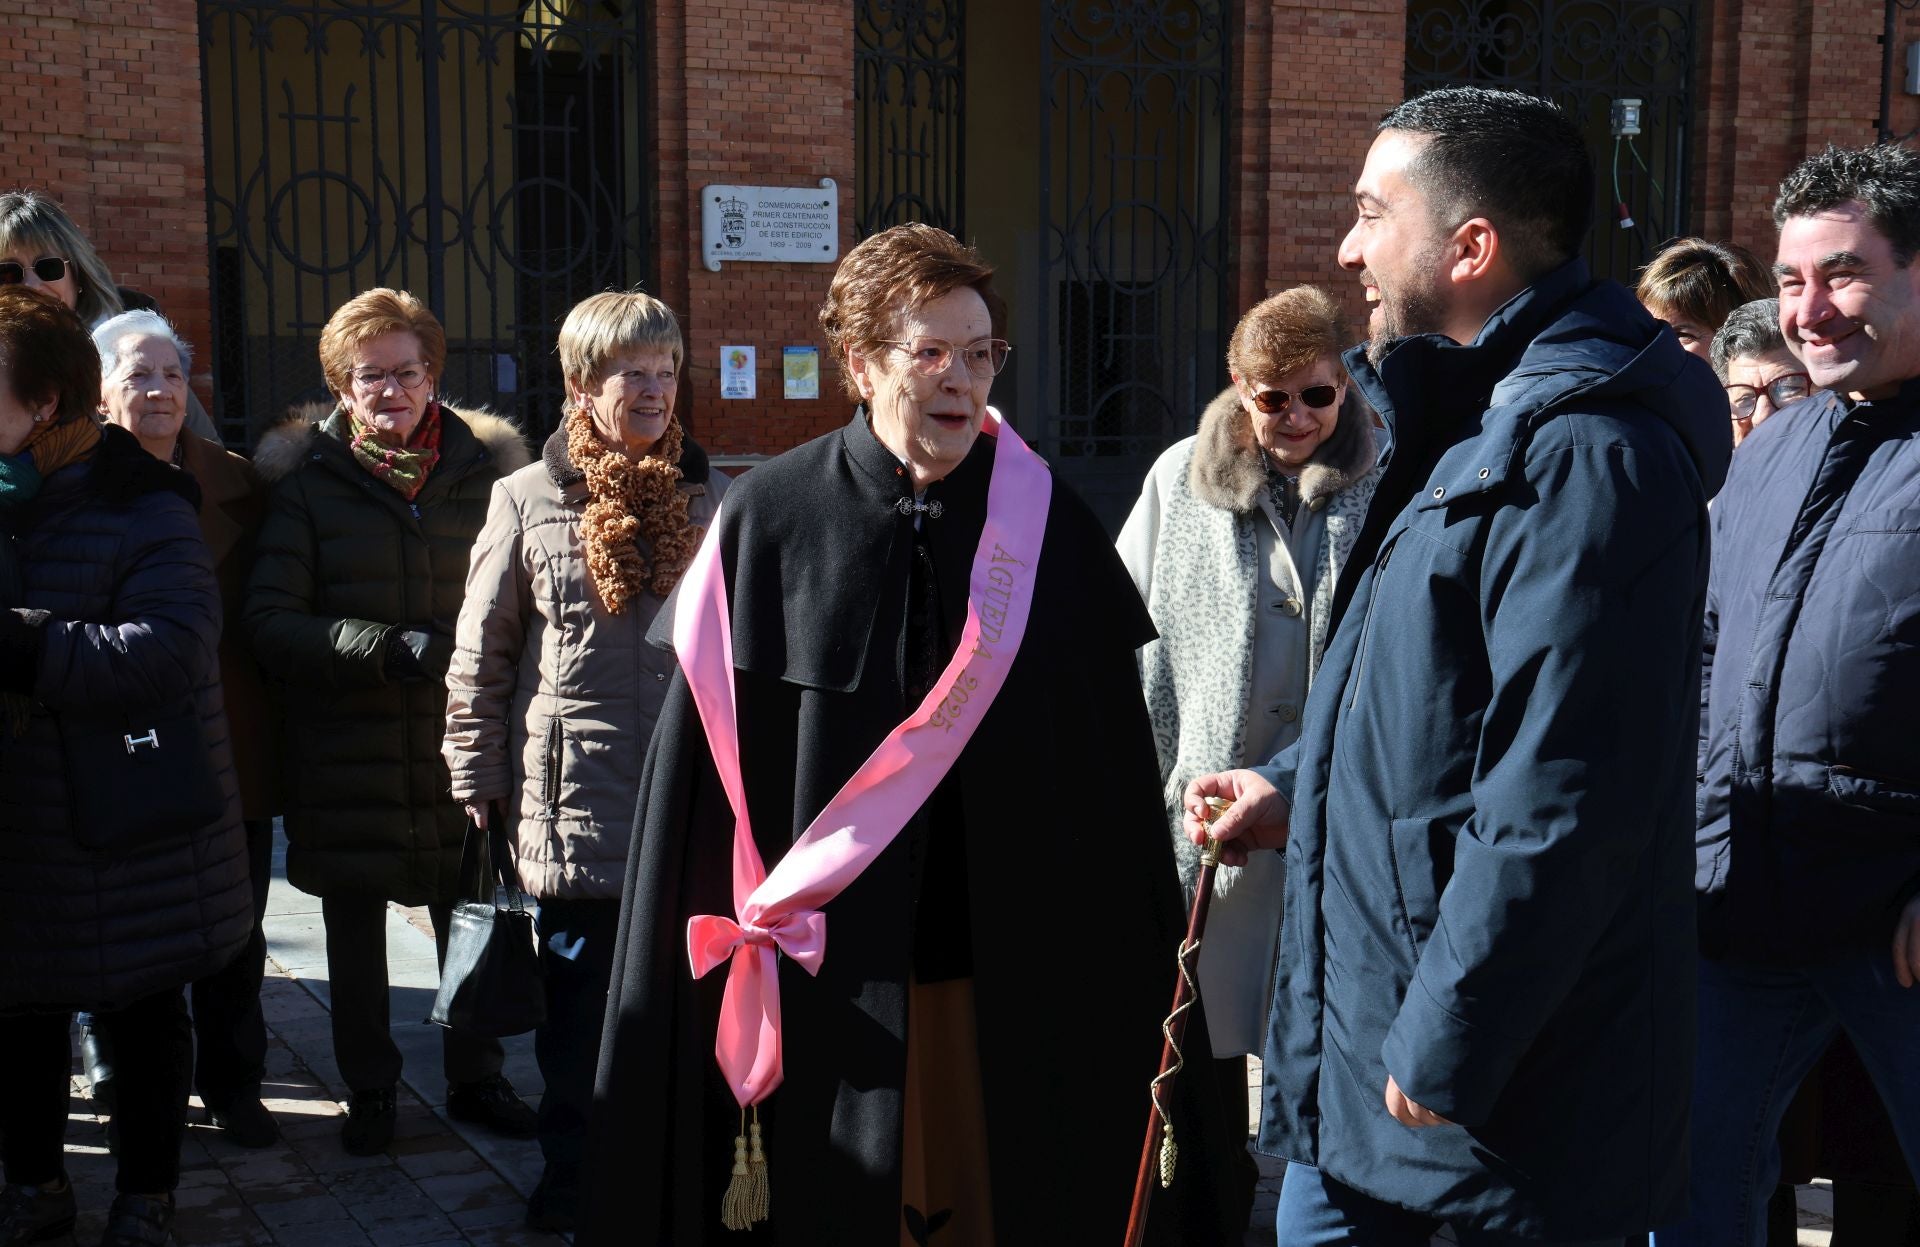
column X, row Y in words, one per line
column 491, row 1102
column 370, row 1118
column 96, row 1055
column 136, row 1221
column 33, row 1214
column 552, row 1205
column 245, row 1120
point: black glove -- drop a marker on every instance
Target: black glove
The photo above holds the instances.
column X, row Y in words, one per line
column 404, row 648
column 22, row 635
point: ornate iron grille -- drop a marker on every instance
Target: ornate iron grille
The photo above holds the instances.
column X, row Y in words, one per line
column 1583, row 54
column 483, row 154
column 1133, row 195
column 907, row 82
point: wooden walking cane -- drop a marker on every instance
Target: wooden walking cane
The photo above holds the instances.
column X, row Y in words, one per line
column 1159, row 1152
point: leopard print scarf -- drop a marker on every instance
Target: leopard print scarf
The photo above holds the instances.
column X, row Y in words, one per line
column 629, row 502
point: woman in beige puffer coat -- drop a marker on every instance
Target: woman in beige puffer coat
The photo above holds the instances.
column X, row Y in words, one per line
column 553, row 689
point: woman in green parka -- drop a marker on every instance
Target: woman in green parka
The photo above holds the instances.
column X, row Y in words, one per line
column 361, row 567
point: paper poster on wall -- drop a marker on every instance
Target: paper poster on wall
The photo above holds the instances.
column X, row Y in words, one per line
column 800, row 365
column 736, row 372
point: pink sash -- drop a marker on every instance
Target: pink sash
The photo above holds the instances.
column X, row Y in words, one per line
column 781, row 911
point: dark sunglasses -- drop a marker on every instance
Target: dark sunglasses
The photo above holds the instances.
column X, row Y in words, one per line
column 1271, row 402
column 49, row 269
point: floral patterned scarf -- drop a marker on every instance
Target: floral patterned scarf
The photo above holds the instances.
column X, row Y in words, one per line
column 403, row 467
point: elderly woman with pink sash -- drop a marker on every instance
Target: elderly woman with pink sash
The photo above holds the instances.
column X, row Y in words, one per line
column 891, row 970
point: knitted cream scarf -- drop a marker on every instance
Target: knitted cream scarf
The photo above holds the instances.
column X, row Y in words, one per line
column 629, row 500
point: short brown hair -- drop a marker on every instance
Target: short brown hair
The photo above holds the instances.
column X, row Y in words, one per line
column 603, row 325
column 48, row 352
column 1286, row 332
column 1693, row 279
column 896, row 271
column 374, row 314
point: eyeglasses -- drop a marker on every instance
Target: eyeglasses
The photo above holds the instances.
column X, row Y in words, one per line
column 931, row 357
column 48, row 268
column 1272, row 402
column 1788, row 387
column 372, row 380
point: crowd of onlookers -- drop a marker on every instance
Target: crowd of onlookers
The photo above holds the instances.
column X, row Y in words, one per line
column 1428, row 611
column 285, row 631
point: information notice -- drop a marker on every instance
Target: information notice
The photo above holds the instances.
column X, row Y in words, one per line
column 790, row 224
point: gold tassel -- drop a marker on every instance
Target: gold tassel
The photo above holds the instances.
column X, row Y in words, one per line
column 747, row 1198
column 734, row 1204
column 1168, row 1154
column 759, row 1195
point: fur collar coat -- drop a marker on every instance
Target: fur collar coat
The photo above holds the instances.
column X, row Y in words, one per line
column 1241, row 602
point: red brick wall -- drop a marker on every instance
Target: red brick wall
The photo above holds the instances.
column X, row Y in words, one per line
column 757, row 94
column 1778, row 80
column 1311, row 80
column 102, row 106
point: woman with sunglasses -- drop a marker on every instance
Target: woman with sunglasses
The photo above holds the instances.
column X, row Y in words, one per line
column 1235, row 543
column 41, row 248
column 357, row 581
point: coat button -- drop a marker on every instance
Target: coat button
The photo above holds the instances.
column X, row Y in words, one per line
column 1439, row 491
column 1287, row 713
column 1290, row 608
column 659, row 675
column 1485, row 473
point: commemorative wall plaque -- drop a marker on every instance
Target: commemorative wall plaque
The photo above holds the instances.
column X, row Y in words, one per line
column 770, row 224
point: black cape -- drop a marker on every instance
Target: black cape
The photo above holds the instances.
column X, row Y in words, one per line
column 1056, row 870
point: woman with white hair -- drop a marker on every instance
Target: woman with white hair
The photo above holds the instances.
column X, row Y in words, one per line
column 144, row 366
column 553, row 691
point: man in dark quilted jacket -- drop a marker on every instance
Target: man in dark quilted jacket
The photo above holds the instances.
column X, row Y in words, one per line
column 1808, row 848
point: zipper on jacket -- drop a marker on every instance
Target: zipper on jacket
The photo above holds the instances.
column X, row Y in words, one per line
column 1366, row 624
column 550, row 788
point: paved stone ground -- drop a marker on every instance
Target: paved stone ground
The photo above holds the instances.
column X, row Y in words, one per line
column 441, row 1184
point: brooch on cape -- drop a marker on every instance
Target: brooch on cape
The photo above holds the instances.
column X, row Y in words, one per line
column 932, row 510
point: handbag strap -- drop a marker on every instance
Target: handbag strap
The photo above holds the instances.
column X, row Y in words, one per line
column 502, row 856
column 486, row 862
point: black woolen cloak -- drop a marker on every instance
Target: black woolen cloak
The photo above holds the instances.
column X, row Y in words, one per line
column 1070, row 894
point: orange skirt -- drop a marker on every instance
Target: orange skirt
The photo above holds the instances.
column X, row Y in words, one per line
column 944, row 1192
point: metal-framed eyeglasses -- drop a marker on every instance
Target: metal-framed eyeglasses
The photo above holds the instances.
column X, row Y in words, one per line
column 373, row 380
column 930, row 357
column 1788, row 387
column 48, row 268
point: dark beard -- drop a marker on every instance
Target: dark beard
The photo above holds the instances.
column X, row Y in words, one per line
column 1413, row 313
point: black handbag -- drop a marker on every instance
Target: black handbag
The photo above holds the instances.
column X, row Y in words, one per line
column 138, row 778
column 491, row 983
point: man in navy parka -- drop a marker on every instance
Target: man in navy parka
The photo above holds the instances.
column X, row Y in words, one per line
column 1483, row 1013
column 1809, row 812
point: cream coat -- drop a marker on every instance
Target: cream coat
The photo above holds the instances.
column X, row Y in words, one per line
column 550, row 696
column 1240, row 601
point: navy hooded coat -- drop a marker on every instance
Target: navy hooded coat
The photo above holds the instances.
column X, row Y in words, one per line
column 1490, row 863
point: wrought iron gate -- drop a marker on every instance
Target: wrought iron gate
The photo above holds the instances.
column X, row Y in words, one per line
column 1583, row 54
column 908, row 77
column 1133, row 198
column 484, row 154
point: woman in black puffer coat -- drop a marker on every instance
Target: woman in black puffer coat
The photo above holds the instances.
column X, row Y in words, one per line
column 107, row 601
column 357, row 580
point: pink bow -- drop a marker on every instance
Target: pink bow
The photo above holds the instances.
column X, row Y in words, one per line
column 712, row 938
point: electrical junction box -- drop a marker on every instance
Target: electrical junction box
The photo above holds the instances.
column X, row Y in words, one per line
column 1626, row 113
